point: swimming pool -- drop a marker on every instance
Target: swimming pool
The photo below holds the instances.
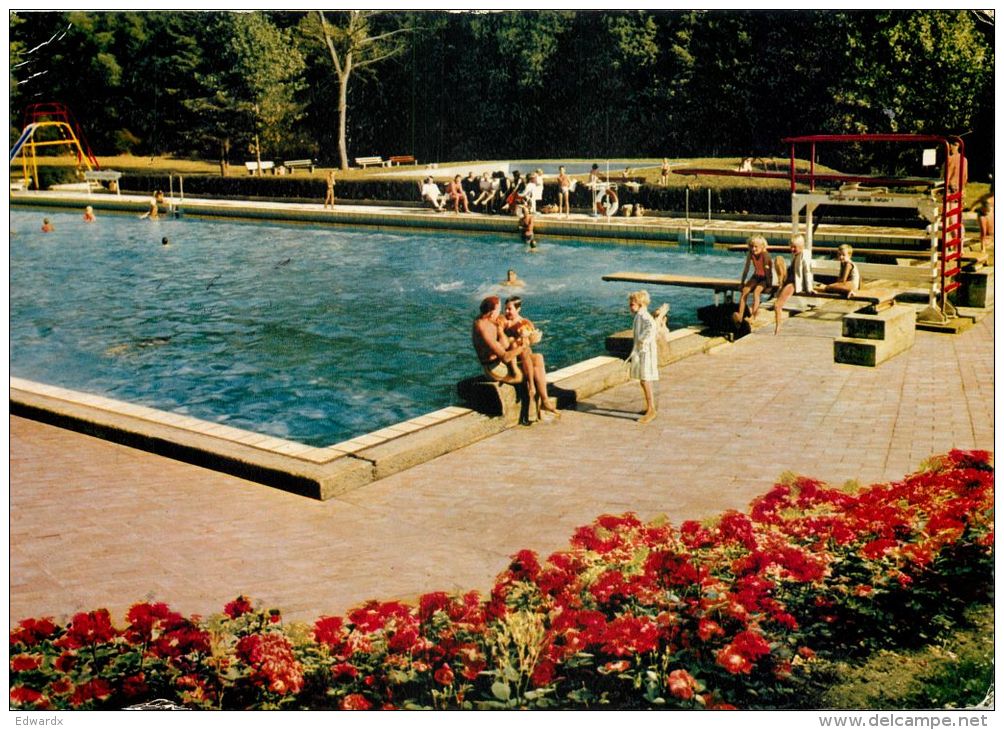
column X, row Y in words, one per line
column 307, row 332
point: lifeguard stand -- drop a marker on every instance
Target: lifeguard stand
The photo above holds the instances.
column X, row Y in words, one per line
column 50, row 125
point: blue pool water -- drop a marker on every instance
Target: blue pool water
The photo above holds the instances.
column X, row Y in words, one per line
column 305, row 332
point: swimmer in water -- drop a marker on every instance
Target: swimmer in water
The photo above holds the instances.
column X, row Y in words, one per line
column 164, row 241
column 89, row 214
column 512, row 280
column 46, row 226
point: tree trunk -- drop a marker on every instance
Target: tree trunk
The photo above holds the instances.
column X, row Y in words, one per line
column 343, row 112
column 257, row 154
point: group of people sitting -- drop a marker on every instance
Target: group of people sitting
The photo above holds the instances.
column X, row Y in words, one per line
column 491, row 193
column 503, row 341
column 761, row 274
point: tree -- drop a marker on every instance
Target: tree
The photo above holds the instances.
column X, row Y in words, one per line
column 249, row 86
column 353, row 47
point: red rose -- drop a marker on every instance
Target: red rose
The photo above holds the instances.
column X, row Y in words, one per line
column 25, row 662
column 238, row 607
column 344, row 670
column 96, row 689
column 355, row 702
column 66, row 661
column 444, row 675
column 430, row 603
column 681, row 684
column 88, row 629
column 543, row 673
column 25, row 696
column 708, row 629
column 732, row 661
column 30, row 631
column 61, row 686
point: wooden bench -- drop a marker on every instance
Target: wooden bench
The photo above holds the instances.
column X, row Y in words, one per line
column 265, row 165
column 100, row 176
column 365, row 162
column 293, row 164
column 401, row 160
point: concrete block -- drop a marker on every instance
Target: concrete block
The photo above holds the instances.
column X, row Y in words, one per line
column 976, row 288
column 492, row 398
column 896, row 322
column 871, row 339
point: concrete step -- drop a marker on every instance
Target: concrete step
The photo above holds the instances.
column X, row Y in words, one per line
column 871, row 339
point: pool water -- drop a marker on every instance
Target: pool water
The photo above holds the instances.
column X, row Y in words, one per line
column 306, row 332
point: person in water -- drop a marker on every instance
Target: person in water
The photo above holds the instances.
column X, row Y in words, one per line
column 512, row 280
column 47, row 227
column 89, row 214
column 526, row 227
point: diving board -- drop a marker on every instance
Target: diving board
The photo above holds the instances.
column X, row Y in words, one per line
column 695, row 282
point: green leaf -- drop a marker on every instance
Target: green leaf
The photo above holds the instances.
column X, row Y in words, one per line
column 501, row 691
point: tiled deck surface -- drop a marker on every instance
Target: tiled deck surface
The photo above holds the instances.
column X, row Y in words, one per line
column 96, row 524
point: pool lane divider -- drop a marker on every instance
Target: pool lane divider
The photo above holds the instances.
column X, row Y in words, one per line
column 644, row 230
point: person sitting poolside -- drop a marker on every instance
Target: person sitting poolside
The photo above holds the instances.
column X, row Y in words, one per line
column 798, row 279
column 496, row 352
column 455, row 190
column 432, row 195
column 485, row 189
column 848, row 280
column 520, row 329
column 758, row 268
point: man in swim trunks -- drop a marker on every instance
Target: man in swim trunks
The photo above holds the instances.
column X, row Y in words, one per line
column 496, row 352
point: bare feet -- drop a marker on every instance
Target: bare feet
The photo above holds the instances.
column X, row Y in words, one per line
column 549, row 406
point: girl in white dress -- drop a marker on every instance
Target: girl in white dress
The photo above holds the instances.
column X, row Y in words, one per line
column 644, row 358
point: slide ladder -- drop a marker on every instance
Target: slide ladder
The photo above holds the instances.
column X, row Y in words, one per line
column 59, row 112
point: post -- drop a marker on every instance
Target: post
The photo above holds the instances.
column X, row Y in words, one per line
column 709, row 205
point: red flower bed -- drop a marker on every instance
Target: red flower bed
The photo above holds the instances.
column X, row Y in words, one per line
column 718, row 614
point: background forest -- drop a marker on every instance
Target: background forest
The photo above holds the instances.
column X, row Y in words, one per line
column 490, row 85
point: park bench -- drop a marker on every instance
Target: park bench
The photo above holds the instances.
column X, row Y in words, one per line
column 402, row 160
column 293, row 164
column 96, row 177
column 265, row 165
column 365, row 162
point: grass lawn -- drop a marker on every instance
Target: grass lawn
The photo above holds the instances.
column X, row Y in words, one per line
column 179, row 166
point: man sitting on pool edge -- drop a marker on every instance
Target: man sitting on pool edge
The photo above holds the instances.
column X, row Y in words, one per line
column 496, row 352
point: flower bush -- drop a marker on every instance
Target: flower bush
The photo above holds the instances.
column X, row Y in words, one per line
column 727, row 613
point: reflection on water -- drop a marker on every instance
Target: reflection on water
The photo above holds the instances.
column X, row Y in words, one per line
column 304, row 332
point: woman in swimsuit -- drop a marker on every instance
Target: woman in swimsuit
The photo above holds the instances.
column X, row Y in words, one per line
column 523, row 330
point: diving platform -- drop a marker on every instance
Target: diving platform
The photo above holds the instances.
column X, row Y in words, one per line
column 694, row 282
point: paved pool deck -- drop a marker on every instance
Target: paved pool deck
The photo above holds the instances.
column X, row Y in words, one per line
column 96, row 524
